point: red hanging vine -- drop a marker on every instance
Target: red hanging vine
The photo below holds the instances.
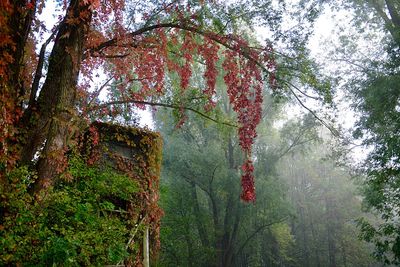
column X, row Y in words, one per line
column 244, row 82
column 149, row 57
column 209, row 51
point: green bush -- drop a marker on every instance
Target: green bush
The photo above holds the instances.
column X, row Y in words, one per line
column 79, row 223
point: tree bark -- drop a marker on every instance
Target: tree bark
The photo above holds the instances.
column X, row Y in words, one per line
column 228, row 231
column 199, row 220
column 315, row 242
column 50, row 122
column 394, row 12
column 344, row 253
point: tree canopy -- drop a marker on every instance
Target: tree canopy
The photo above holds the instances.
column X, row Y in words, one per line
column 135, row 45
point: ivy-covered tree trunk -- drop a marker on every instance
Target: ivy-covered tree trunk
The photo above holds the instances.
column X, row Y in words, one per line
column 14, row 29
column 19, row 26
column 51, row 116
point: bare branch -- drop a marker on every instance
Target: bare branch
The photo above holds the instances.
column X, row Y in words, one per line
column 358, row 65
column 213, row 176
column 330, row 128
column 298, row 89
column 260, row 228
column 112, row 56
column 294, row 144
column 121, row 102
column 98, row 91
column 190, row 180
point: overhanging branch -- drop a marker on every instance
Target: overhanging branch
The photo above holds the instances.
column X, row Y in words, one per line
column 131, row 101
column 222, row 41
column 298, row 89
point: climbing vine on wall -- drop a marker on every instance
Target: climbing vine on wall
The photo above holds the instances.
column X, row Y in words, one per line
column 142, row 165
column 96, row 214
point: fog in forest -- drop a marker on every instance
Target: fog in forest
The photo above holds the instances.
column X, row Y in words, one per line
column 240, row 133
column 312, row 164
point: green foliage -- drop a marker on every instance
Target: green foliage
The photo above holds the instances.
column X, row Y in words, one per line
column 284, row 238
column 368, row 60
column 385, row 237
column 78, row 223
column 379, row 128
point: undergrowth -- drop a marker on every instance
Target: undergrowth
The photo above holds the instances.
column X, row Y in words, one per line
column 81, row 222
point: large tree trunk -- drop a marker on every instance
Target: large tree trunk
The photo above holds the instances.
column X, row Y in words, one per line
column 19, row 25
column 54, row 109
column 15, row 25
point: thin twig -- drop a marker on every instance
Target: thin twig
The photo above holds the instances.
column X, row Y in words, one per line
column 298, row 89
column 131, row 238
column 331, row 129
column 98, row 91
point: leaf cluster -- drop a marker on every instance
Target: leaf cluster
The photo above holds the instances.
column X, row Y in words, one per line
column 79, row 223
